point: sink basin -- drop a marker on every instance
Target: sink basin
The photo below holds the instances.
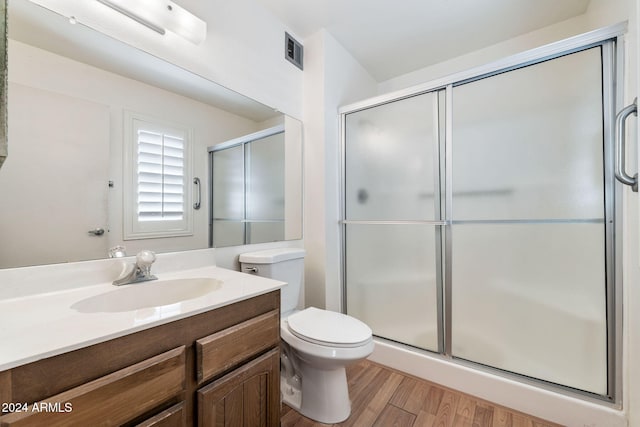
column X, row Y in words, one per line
column 146, row 295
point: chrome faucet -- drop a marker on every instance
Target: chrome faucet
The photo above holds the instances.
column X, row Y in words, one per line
column 138, row 272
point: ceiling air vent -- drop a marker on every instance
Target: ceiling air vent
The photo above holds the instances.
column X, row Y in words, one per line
column 293, row 50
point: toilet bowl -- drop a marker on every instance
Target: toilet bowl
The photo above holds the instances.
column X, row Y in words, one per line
column 320, row 344
column 316, row 345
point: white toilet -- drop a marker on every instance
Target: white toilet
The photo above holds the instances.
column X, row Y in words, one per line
column 317, row 344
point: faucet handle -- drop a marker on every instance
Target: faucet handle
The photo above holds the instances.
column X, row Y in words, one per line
column 145, row 258
column 117, row 252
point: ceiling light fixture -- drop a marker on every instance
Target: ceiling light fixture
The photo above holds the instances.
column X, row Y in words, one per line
column 161, row 16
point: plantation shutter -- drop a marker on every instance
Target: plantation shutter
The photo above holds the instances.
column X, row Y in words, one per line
column 157, row 190
column 161, row 176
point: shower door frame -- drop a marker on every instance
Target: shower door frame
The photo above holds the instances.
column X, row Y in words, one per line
column 611, row 41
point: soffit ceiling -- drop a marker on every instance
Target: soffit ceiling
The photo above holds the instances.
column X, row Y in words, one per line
column 391, row 38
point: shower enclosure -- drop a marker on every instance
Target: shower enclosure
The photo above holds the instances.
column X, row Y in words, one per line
column 479, row 217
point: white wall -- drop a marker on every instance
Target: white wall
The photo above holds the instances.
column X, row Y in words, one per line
column 293, row 181
column 332, row 78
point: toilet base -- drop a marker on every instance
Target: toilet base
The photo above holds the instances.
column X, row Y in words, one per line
column 324, row 395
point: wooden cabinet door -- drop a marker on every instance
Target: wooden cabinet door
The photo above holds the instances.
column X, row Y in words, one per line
column 246, row 397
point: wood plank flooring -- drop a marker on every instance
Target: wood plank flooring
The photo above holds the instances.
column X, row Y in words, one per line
column 383, row 397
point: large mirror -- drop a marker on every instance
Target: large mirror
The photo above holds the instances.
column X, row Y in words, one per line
column 80, row 107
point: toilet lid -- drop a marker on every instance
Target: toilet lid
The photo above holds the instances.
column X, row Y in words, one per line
column 328, row 327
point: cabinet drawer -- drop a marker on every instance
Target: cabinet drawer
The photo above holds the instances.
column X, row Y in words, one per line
column 173, row 417
column 113, row 399
column 225, row 349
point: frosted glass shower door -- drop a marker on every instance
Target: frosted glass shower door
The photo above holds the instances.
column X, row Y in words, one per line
column 264, row 160
column 528, row 260
column 392, row 219
column 228, row 208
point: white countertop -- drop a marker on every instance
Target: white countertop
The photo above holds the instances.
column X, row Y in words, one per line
column 34, row 327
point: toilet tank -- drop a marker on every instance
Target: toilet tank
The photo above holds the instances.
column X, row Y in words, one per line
column 284, row 264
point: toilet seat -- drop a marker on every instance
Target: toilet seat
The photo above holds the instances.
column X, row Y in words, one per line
column 329, row 328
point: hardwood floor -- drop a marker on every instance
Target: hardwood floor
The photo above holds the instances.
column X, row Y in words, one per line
column 383, row 397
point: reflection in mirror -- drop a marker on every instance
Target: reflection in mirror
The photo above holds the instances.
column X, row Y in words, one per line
column 71, row 90
column 257, row 187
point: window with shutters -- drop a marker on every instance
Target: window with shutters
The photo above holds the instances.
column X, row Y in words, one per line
column 158, row 168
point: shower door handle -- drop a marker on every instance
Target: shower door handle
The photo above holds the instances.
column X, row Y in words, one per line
column 621, row 173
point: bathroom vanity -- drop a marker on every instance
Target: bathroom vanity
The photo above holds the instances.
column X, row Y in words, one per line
column 213, row 362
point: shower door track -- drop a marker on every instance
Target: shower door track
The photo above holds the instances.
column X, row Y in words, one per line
column 612, row 54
